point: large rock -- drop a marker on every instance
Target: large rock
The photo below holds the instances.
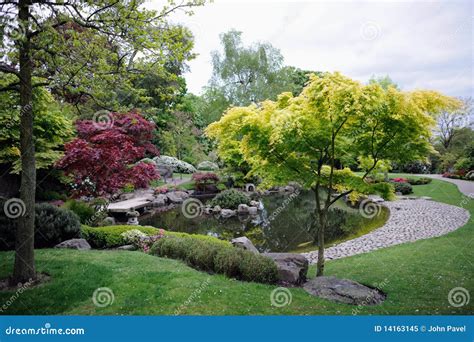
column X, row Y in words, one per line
column 292, row 268
column 253, row 211
column 80, row 244
column 160, row 200
column 177, row 196
column 243, row 209
column 226, row 213
column 344, row 291
column 245, row 243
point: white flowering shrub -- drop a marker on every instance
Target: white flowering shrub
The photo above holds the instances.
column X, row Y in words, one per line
column 133, row 236
column 207, row 166
column 176, row 164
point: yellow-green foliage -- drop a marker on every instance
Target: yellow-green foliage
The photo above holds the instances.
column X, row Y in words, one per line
column 111, row 236
column 334, row 118
column 52, row 128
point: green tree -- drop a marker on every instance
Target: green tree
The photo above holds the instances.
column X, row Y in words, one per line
column 301, row 138
column 61, row 45
column 52, row 128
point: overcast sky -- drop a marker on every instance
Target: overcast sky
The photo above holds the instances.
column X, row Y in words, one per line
column 419, row 44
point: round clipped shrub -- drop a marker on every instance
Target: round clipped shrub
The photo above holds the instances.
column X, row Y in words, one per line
column 54, row 225
column 419, row 181
column 230, row 199
column 207, row 166
column 402, row 187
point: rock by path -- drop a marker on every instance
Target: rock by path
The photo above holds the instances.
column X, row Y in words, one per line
column 409, row 220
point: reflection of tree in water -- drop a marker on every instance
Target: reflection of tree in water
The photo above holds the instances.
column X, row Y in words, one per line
column 283, row 225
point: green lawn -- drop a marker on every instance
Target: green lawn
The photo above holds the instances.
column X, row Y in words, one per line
column 417, row 278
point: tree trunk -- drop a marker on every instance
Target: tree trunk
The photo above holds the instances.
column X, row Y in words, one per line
column 24, row 268
column 320, row 214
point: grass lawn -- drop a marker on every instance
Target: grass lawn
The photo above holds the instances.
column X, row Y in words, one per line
column 417, row 278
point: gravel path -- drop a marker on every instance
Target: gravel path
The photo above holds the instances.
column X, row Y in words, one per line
column 409, row 220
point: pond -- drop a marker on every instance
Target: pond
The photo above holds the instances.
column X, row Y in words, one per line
column 282, row 226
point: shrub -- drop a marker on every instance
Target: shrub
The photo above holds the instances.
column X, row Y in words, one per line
column 207, row 166
column 385, row 190
column 419, row 181
column 399, row 180
column 83, row 210
column 205, row 181
column 141, row 240
column 176, row 164
column 99, row 159
column 258, row 268
column 52, row 226
column 230, row 199
column 403, row 188
column 212, row 255
column 111, row 236
column 49, row 195
column 133, row 236
column 227, row 261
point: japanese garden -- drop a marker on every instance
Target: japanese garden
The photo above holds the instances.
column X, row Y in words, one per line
column 277, row 190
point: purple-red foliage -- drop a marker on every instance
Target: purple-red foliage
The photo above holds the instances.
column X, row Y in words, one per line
column 100, row 160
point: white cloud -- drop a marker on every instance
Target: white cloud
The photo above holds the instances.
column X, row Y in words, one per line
column 418, row 44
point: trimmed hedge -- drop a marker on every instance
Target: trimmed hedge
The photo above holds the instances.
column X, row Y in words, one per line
column 419, row 181
column 111, row 236
column 214, row 255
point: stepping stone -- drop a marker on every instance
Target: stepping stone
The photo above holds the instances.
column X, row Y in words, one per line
column 343, row 291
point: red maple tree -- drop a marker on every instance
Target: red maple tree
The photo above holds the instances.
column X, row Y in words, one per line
column 103, row 158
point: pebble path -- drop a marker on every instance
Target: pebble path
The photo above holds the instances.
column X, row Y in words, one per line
column 409, row 220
